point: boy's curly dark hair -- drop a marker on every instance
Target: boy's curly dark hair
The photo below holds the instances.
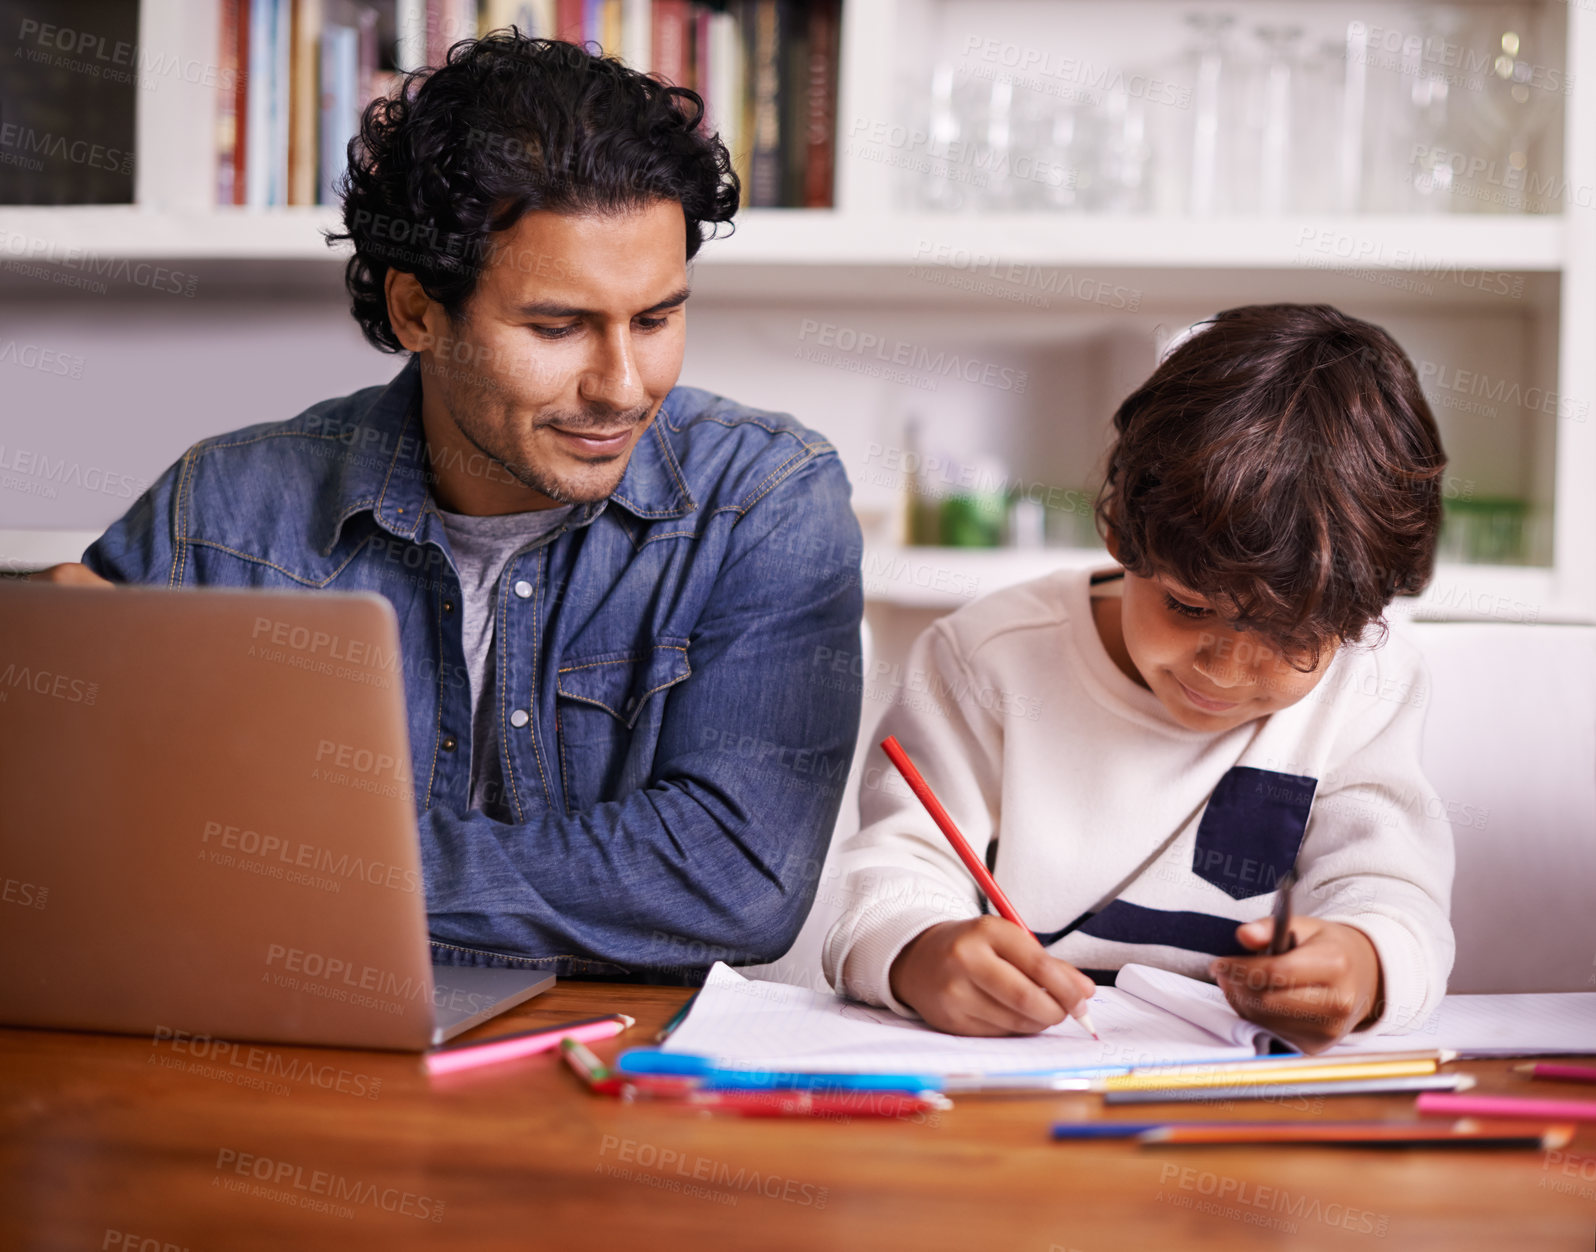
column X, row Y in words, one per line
column 1282, row 462
column 506, row 126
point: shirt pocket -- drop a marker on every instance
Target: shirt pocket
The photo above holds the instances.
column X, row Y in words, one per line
column 608, row 715
column 1252, row 829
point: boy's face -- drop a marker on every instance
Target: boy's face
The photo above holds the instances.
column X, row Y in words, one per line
column 1209, row 676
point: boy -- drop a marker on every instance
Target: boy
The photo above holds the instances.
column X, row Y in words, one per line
column 1220, row 708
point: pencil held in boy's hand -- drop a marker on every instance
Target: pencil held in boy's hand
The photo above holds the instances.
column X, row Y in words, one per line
column 986, row 976
column 1311, row 996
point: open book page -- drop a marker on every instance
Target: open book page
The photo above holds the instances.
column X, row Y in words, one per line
column 1474, row 1025
column 1200, row 1003
column 768, row 1025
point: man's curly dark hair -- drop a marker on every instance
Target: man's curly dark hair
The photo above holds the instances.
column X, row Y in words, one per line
column 506, row 126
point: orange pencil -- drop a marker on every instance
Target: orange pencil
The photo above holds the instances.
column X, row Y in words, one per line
column 1464, row 1133
column 983, row 879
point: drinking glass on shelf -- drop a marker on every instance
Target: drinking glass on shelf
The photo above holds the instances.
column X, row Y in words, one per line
column 1519, row 94
column 1436, row 99
column 1320, row 133
column 1408, row 114
column 994, row 177
column 933, row 183
column 1123, row 152
column 1273, row 110
column 1195, row 157
column 1047, row 142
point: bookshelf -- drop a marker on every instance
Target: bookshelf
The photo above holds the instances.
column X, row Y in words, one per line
column 1517, row 292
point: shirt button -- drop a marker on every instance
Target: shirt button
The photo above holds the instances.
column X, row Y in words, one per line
column 448, row 606
column 519, row 718
column 448, row 744
column 523, row 588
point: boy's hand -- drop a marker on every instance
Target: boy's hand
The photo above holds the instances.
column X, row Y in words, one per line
column 1311, row 996
column 985, row 976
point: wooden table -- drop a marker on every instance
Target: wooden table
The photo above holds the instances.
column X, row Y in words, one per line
column 132, row 1143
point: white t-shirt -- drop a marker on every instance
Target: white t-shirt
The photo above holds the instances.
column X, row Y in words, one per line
column 1123, row 836
column 480, row 548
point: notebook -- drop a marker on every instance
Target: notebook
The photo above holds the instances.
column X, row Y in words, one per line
column 1151, row 1017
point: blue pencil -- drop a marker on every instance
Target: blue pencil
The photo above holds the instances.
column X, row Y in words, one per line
column 712, row 1077
column 1102, row 1130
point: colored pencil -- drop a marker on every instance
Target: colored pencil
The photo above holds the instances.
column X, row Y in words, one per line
column 1282, row 940
column 651, row 1062
column 1507, row 1106
column 767, row 1103
column 983, row 878
column 1328, row 1071
column 601, row 1080
column 1356, row 1135
column 816, row 1103
column 1292, row 1090
column 1558, row 1072
column 524, row 1043
column 581, row 1059
column 680, row 1016
column 1103, row 1130
column 1255, row 1064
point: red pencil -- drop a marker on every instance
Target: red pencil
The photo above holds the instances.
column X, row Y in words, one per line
column 1562, row 1073
column 983, row 879
column 817, row 1104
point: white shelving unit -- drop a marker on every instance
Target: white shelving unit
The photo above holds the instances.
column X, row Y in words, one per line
column 867, row 258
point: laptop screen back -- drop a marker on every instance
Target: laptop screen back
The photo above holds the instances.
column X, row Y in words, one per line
column 206, row 820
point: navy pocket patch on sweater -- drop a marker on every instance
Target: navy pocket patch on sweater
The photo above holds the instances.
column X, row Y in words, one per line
column 1248, row 838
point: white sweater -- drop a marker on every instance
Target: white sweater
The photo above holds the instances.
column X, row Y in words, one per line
column 1030, row 735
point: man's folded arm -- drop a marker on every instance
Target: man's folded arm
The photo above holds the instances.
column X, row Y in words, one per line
column 138, row 547
column 721, row 853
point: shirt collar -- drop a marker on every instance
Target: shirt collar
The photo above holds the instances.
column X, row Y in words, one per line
column 384, row 468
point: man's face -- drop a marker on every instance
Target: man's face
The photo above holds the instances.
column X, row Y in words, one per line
column 1209, row 676
column 573, row 337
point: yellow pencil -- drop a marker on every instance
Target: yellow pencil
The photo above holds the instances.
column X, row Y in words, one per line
column 1327, row 1071
column 1439, row 1055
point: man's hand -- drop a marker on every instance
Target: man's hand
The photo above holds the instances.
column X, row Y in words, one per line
column 72, row 574
column 985, row 976
column 1311, row 996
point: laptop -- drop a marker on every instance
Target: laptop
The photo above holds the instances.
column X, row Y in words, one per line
column 206, row 822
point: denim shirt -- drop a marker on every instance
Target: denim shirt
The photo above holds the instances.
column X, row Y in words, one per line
column 675, row 732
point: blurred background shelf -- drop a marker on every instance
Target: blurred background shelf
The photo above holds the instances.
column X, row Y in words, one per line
column 839, row 237
column 911, row 581
column 945, row 579
column 975, row 244
column 986, row 336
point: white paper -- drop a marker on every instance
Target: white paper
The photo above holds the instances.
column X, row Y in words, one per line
column 1201, row 1003
column 765, row 1025
column 1542, row 1024
column 1153, row 1016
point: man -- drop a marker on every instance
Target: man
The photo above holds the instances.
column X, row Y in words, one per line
column 612, row 591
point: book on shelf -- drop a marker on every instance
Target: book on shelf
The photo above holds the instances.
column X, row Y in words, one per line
column 340, row 107
column 229, row 123
column 764, row 44
column 298, row 74
column 304, row 101
column 819, row 122
column 67, row 129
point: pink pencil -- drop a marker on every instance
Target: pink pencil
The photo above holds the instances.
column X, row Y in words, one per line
column 524, row 1043
column 1450, row 1105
